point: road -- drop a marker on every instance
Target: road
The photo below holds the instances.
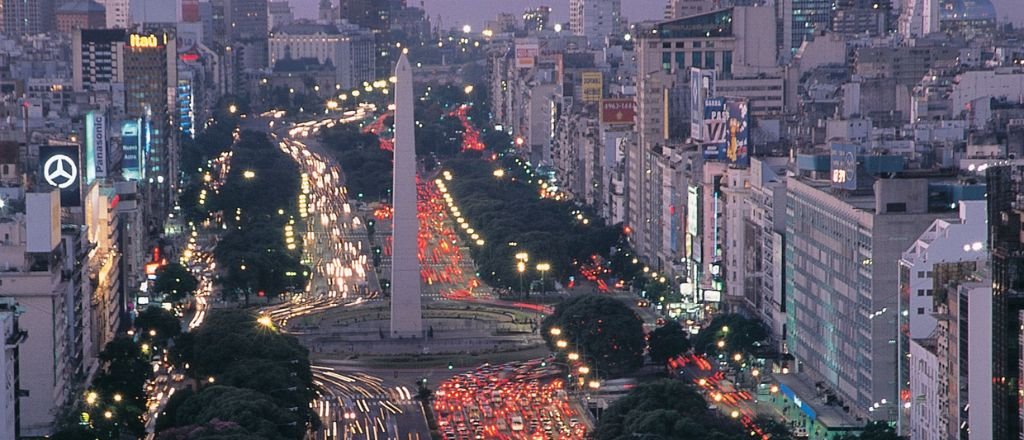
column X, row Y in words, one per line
column 516, row 400
column 356, row 405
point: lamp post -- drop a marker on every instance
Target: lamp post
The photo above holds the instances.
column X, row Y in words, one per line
column 521, row 259
column 543, row 268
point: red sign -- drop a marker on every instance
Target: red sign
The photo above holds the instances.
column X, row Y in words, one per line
column 618, row 111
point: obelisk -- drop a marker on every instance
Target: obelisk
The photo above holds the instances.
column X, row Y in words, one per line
column 406, row 311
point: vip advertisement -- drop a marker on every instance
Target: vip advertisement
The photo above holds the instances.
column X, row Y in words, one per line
column 593, row 86
column 727, row 129
column 61, row 169
column 527, row 51
column 95, row 147
column 618, row 111
column 844, row 166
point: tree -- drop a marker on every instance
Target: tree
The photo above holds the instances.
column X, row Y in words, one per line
column 667, row 341
column 213, row 430
column 737, row 332
column 252, row 411
column 875, row 431
column 606, row 332
column 175, row 281
column 163, row 325
column 664, row 409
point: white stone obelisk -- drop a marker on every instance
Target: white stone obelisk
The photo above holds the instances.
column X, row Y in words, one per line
column 406, row 311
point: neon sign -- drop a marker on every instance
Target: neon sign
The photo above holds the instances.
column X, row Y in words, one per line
column 145, row 41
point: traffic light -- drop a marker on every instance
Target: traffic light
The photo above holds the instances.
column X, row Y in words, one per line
column 543, row 363
column 451, row 366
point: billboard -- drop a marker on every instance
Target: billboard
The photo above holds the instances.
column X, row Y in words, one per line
column 134, row 143
column 593, row 86
column 702, row 87
column 62, row 170
column 618, row 111
column 727, row 130
column 95, row 146
column 844, row 166
column 527, row 50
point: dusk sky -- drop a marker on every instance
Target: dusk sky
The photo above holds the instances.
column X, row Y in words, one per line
column 476, row 12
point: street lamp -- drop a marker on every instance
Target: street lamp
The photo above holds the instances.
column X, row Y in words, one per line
column 584, row 369
column 249, row 174
column 117, row 397
column 91, row 397
column 561, row 343
column 555, row 331
column 543, row 268
column 721, row 344
column 574, row 356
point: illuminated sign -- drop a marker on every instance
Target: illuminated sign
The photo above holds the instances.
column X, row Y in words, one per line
column 844, row 166
column 95, row 146
column 134, row 143
column 726, row 130
column 60, row 170
column 146, row 41
column 593, row 86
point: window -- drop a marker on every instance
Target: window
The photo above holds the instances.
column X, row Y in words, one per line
column 920, row 310
column 666, row 61
column 695, row 59
column 727, row 62
column 696, row 44
column 709, row 59
column 680, row 60
column 896, row 207
column 920, row 292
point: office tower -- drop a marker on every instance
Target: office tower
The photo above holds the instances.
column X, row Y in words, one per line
column 81, row 14
column 119, row 14
column 12, row 336
column 279, row 14
column 862, row 17
column 97, row 58
column 245, row 23
column 406, row 308
column 1005, row 224
column 684, row 8
column 595, row 19
column 371, row 14
column 150, row 77
column 801, row 18
column 536, row 19
column 919, row 18
column 841, row 301
column 28, row 17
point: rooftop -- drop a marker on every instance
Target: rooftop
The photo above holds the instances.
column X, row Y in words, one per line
column 82, row 7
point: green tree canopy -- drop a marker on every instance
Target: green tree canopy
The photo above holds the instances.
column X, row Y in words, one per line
column 607, row 333
column 254, row 412
column 175, row 281
column 665, row 409
column 162, row 323
column 740, row 334
column 667, row 341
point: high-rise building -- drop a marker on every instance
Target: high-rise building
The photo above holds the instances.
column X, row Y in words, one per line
column 801, row 18
column 684, row 8
column 245, row 23
column 28, row 17
column 841, row 304
column 97, row 58
column 155, row 12
column 918, row 18
column 279, row 14
column 150, row 79
column 595, row 19
column 371, row 14
column 190, row 11
column 1005, row 189
column 11, row 336
column 81, row 14
column 536, row 19
column 119, row 14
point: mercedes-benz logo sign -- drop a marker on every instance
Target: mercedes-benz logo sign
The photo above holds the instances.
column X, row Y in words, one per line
column 60, row 171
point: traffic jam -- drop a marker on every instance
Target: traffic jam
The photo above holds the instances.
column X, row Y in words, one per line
column 517, row 400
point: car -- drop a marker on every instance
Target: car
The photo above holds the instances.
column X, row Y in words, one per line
column 517, row 423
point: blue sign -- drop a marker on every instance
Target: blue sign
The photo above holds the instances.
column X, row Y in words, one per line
column 798, row 401
column 134, row 144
